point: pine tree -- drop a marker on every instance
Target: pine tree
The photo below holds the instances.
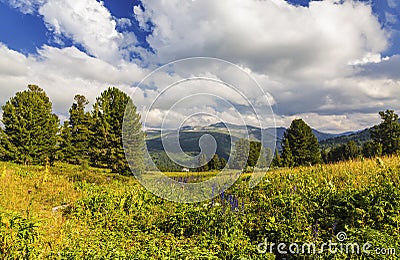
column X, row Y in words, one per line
column 254, row 154
column 222, row 163
column 371, row 149
column 303, row 144
column 277, row 161
column 240, row 154
column 30, row 127
column 76, row 134
column 387, row 133
column 134, row 140
column 65, row 151
column 214, row 163
column 287, row 157
column 351, row 150
column 107, row 138
column 203, row 165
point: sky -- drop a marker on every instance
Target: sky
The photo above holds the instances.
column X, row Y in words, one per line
column 334, row 63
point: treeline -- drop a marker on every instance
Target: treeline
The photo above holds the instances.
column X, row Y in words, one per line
column 300, row 145
column 32, row 133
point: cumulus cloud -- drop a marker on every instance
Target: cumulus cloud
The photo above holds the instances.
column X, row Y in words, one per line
column 58, row 73
column 25, row 6
column 87, row 22
column 267, row 36
column 323, row 62
column 317, row 60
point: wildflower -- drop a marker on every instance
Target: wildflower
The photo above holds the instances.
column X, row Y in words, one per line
column 315, row 230
column 334, row 227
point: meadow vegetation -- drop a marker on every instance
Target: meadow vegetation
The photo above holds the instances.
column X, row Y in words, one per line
column 111, row 216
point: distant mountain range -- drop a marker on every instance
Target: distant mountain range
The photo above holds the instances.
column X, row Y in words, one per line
column 189, row 137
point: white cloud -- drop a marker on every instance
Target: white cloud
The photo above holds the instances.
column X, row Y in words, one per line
column 322, row 63
column 62, row 73
column 25, row 6
column 267, row 36
column 89, row 23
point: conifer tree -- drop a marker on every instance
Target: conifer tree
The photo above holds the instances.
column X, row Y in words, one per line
column 387, row 133
column 107, row 126
column 303, row 144
column 240, row 154
column 76, row 134
column 214, row 163
column 30, row 127
column 287, row 157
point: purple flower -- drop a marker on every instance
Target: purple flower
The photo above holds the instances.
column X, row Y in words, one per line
column 315, row 230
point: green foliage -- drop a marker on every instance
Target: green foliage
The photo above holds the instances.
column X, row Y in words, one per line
column 301, row 145
column 371, row 149
column 277, row 161
column 214, row 163
column 343, row 152
column 254, row 153
column 246, row 154
column 75, row 133
column 240, row 154
column 107, row 126
column 287, row 156
column 203, row 163
column 17, row 236
column 116, row 218
column 30, row 127
column 387, row 133
column 164, row 163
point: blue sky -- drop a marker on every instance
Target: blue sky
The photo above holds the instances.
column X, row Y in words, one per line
column 333, row 63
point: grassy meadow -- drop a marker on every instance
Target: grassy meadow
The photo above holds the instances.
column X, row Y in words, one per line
column 113, row 217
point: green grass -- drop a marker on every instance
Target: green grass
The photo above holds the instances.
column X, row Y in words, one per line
column 112, row 216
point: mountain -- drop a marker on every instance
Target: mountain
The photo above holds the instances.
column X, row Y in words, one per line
column 359, row 138
column 189, row 137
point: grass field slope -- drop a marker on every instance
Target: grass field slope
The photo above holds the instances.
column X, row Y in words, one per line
column 67, row 212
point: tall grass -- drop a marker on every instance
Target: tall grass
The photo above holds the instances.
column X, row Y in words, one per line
column 111, row 216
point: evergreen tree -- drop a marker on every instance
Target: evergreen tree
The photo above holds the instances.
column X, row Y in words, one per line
column 254, row 153
column 6, row 148
column 277, row 161
column 134, row 139
column 240, row 154
column 344, row 152
column 287, row 156
column 371, row 149
column 387, row 133
column 222, row 163
column 30, row 127
column 301, row 144
column 107, row 127
column 214, row 163
column 65, row 151
column 351, row 150
column 76, row 134
column 203, row 163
